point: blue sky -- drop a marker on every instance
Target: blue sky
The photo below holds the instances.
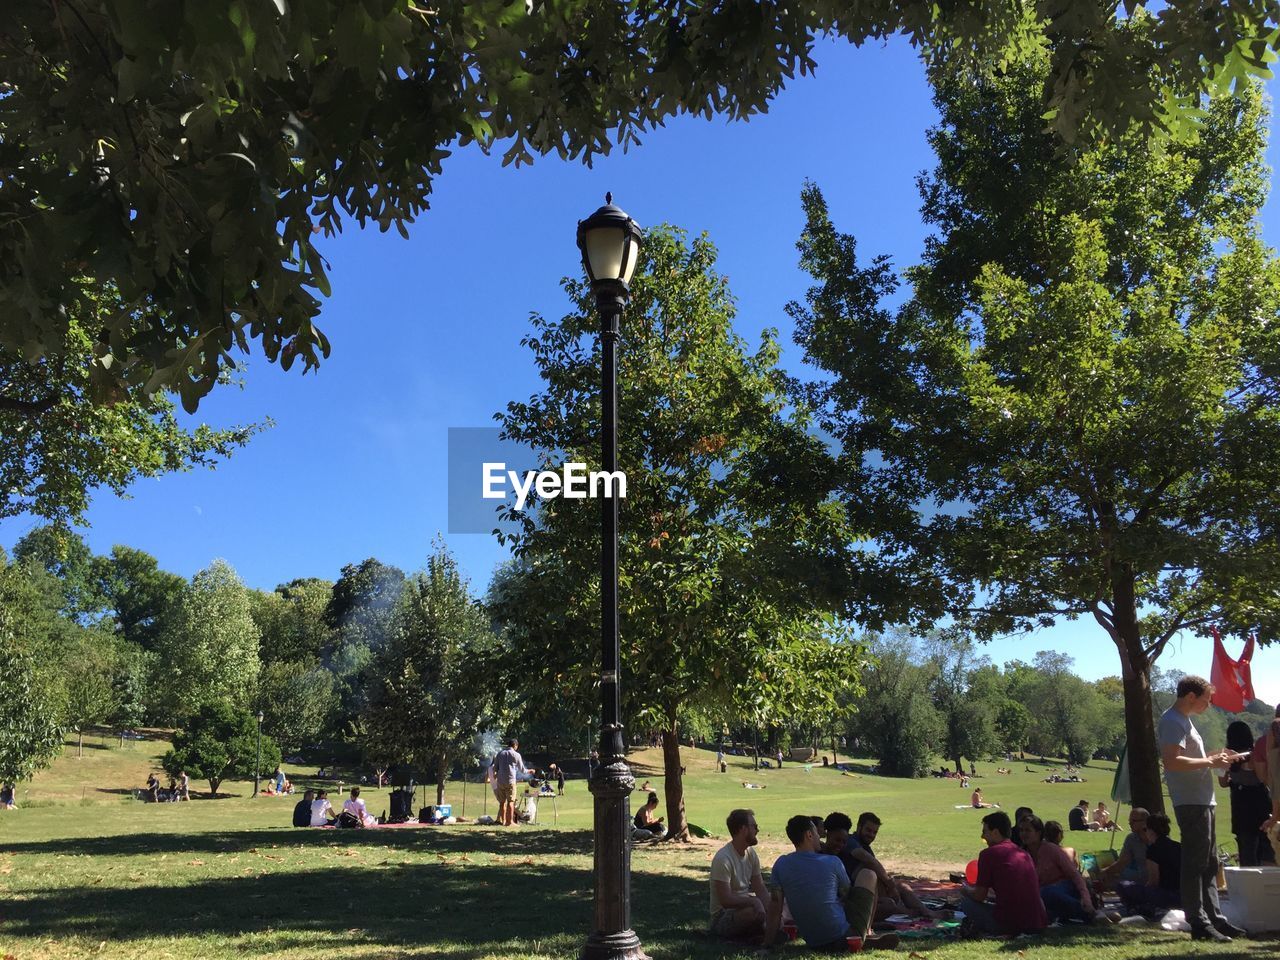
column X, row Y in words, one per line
column 426, row 333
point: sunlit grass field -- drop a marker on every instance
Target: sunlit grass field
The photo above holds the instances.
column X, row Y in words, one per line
column 85, row 871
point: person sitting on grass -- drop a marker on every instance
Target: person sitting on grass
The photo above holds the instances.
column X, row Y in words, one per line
column 1010, row 874
column 1078, row 817
column 1131, row 864
column 826, row 906
column 977, row 801
column 854, row 851
column 1102, row 817
column 1062, row 888
column 1160, row 890
column 322, row 810
column 648, row 826
column 356, row 809
column 6, row 797
column 302, row 810
column 738, row 893
column 153, row 788
column 1053, row 833
column 1018, row 816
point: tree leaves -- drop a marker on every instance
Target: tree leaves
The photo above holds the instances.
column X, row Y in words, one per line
column 346, row 108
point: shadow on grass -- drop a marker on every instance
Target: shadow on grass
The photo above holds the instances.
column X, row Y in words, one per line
column 446, row 840
column 465, row 910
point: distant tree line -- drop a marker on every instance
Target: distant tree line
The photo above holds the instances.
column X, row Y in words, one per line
column 936, row 696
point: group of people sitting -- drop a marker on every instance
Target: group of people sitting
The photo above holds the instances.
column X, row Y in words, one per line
column 833, row 887
column 7, row 797
column 277, row 785
column 1147, row 872
column 1080, row 818
column 179, row 789
column 315, row 810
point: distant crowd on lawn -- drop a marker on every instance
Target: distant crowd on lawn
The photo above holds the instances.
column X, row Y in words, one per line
column 832, row 889
column 506, row 771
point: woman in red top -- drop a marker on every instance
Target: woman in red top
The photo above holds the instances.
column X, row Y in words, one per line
column 1062, row 888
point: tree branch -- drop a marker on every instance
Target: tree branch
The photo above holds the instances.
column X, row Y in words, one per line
column 29, row 408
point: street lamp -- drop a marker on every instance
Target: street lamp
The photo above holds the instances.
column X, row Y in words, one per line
column 610, row 245
column 257, row 766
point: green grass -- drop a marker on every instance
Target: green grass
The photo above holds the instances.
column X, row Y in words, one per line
column 229, row 878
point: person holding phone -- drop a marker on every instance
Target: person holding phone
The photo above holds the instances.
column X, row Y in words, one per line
column 645, row 820
column 1188, row 770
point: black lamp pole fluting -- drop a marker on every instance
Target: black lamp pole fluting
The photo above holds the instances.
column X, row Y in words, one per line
column 610, row 245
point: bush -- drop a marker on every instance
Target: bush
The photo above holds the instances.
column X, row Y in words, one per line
column 221, row 741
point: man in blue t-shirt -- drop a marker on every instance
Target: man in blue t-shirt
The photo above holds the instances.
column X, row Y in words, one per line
column 826, row 907
column 1187, row 772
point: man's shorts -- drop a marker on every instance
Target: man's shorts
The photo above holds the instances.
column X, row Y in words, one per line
column 858, row 906
column 505, row 792
column 723, row 922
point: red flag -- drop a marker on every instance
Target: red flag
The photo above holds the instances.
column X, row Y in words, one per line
column 1232, row 679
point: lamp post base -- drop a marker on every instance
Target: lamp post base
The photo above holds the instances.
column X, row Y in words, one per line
column 623, row 945
column 611, row 937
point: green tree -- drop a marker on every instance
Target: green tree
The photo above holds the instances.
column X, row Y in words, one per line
column 209, row 648
column 726, row 540
column 131, row 683
column 297, row 701
column 220, row 741
column 1075, row 413
column 65, row 556
column 61, row 438
column 358, row 616
column 434, row 692
column 896, row 720
column 29, row 734
column 139, row 594
column 185, row 156
column 291, row 620
column 965, row 695
column 88, row 670
column 1013, row 723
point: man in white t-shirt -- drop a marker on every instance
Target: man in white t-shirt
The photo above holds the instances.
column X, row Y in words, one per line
column 321, row 810
column 738, row 893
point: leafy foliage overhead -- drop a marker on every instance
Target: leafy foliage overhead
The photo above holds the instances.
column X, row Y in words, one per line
column 183, row 156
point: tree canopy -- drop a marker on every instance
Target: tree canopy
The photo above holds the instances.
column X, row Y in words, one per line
column 1077, row 412
column 433, row 685
column 728, row 548
column 176, row 161
column 220, row 741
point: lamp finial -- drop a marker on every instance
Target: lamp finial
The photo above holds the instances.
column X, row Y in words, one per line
column 608, row 197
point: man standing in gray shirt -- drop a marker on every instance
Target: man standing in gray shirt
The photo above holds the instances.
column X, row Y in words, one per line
column 507, row 767
column 1187, row 772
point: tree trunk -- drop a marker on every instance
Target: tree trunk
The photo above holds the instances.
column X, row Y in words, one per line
column 442, row 773
column 834, row 742
column 1139, row 723
column 79, row 743
column 959, row 764
column 213, row 786
column 673, row 785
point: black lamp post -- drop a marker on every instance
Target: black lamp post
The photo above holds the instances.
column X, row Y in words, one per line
column 257, row 766
column 610, row 245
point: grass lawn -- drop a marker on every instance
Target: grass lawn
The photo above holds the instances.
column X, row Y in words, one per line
column 105, row 876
